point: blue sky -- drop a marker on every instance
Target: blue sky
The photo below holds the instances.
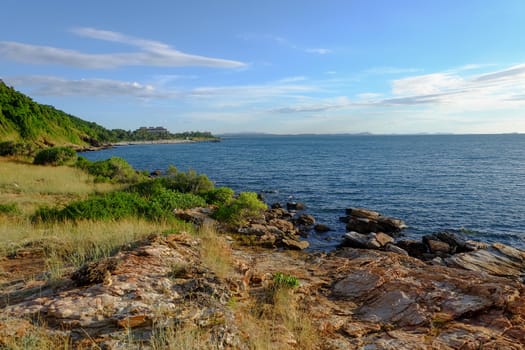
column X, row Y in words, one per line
column 285, row 66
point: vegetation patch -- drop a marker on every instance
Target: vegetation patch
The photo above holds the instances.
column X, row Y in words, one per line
column 114, row 169
column 9, row 209
column 239, row 211
column 55, row 156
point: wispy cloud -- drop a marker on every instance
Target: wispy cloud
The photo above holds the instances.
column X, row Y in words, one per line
column 55, row 86
column 150, row 53
column 319, row 51
column 281, row 41
column 391, row 70
column 322, row 105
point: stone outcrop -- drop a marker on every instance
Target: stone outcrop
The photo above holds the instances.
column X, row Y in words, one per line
column 456, row 294
column 107, row 299
column 354, row 299
column 365, row 221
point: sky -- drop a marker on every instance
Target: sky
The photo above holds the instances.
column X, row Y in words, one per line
column 273, row 66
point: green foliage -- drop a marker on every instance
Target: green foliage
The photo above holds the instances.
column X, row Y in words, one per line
column 219, row 196
column 114, row 169
column 281, row 280
column 111, row 206
column 168, row 200
column 55, row 156
column 12, row 148
column 187, row 182
column 241, row 209
column 23, row 119
column 9, row 209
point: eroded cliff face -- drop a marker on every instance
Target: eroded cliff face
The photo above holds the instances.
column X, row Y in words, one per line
column 163, row 292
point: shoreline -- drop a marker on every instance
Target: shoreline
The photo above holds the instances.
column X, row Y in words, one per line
column 133, row 143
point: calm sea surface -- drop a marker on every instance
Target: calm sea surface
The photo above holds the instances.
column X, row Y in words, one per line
column 474, row 184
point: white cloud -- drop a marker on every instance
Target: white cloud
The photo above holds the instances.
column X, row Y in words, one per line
column 317, row 106
column 150, row 53
column 54, row 86
column 426, row 84
column 319, row 51
column 391, row 70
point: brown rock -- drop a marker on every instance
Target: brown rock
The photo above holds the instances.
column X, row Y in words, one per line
column 438, row 247
column 134, row 321
column 295, row 244
column 383, row 238
column 321, row 228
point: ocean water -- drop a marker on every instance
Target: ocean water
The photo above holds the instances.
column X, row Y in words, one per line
column 473, row 184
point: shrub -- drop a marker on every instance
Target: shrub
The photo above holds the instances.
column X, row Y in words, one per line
column 281, row 280
column 55, row 156
column 168, row 200
column 120, row 205
column 240, row 210
column 114, row 205
column 187, row 182
column 114, row 169
column 9, row 209
column 219, row 196
column 10, row 148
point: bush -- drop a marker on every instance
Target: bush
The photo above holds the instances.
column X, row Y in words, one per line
column 10, row 148
column 114, row 169
column 111, row 206
column 240, row 210
column 187, row 182
column 281, row 280
column 169, row 200
column 9, row 209
column 219, row 196
column 122, row 204
column 55, row 156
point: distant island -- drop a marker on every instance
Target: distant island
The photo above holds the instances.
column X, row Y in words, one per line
column 26, row 126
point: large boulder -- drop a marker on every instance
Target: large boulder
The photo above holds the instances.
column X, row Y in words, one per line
column 366, row 221
column 371, row 240
column 497, row 259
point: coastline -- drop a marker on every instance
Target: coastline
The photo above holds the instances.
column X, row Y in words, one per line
column 133, row 143
column 152, row 142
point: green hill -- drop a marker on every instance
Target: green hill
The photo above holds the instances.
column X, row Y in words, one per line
column 24, row 120
column 28, row 125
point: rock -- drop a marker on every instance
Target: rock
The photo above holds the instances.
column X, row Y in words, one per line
column 355, row 240
column 295, row 244
column 383, row 238
column 283, row 225
column 362, row 213
column 366, row 221
column 457, row 243
column 276, row 206
column 389, row 247
column 198, row 216
column 437, row 247
column 295, row 206
column 370, row 241
column 321, row 228
column 305, row 220
column 414, row 248
column 95, row 272
column 497, row 259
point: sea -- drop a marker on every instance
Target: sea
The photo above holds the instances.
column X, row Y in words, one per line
column 473, row 185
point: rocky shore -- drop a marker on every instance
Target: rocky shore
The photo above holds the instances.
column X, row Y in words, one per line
column 377, row 291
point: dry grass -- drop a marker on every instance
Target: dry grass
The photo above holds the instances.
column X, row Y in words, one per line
column 275, row 320
column 31, row 186
column 215, row 251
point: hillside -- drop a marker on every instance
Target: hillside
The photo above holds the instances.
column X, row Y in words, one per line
column 24, row 120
